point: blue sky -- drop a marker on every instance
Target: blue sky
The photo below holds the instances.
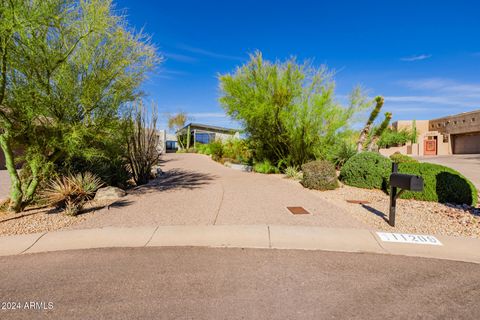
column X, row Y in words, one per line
column 423, row 56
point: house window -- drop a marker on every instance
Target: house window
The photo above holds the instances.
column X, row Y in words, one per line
column 204, row 138
column 473, row 119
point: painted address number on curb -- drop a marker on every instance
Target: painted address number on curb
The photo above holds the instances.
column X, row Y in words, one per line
column 409, row 238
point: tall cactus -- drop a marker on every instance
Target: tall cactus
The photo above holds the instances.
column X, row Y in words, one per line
column 373, row 115
column 378, row 132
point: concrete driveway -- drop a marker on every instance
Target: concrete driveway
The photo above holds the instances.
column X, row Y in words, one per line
column 198, row 191
column 466, row 164
column 201, row 283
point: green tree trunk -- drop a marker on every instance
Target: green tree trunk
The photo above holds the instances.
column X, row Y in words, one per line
column 16, row 194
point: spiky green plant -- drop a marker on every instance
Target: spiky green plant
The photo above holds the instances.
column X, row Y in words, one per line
column 292, row 172
column 71, row 192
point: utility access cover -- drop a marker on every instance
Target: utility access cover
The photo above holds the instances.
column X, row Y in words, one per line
column 298, row 210
column 408, row 238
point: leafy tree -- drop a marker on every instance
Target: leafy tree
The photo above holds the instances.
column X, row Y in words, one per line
column 288, row 110
column 176, row 122
column 67, row 67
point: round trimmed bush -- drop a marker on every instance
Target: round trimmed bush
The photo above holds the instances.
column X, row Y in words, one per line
column 402, row 158
column 441, row 184
column 319, row 175
column 367, row 170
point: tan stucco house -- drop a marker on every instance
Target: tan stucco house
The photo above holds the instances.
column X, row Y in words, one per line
column 455, row 134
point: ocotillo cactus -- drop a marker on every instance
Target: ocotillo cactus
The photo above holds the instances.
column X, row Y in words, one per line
column 373, row 115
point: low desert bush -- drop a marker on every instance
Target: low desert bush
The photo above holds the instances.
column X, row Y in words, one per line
column 238, row 150
column 292, row 172
column 204, row 149
column 397, row 157
column 367, row 170
column 341, row 154
column 441, row 184
column 265, row 167
column 319, row 175
column 216, row 149
column 71, row 192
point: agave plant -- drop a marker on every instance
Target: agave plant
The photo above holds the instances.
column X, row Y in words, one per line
column 71, row 192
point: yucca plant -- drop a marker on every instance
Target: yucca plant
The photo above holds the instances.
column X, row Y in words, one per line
column 71, row 192
column 292, row 172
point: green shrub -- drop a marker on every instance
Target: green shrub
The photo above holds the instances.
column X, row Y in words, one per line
column 319, row 175
column 367, row 170
column 392, row 138
column 341, row 153
column 265, row 167
column 216, row 149
column 204, row 149
column 401, row 158
column 441, row 184
column 292, row 172
column 238, row 150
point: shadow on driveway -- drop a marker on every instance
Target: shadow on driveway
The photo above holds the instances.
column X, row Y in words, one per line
column 176, row 179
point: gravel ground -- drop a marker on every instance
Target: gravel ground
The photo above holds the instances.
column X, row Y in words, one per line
column 412, row 216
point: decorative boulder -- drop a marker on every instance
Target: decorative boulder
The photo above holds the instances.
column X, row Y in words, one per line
column 109, row 194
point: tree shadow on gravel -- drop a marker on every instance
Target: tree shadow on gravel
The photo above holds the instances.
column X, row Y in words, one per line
column 176, row 179
column 376, row 212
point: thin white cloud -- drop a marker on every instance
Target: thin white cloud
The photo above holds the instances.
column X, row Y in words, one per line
column 416, row 57
column 208, row 53
column 180, row 57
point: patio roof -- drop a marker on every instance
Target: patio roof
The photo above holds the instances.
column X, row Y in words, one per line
column 207, row 127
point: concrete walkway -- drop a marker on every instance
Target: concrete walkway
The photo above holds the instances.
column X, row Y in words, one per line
column 198, row 191
column 253, row 236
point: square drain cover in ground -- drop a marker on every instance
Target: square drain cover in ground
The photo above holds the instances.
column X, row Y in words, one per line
column 298, row 210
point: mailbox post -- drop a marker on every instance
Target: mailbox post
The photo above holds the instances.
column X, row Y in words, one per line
column 404, row 182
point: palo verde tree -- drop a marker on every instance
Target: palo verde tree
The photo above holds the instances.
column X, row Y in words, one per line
column 288, row 110
column 67, row 67
column 176, row 122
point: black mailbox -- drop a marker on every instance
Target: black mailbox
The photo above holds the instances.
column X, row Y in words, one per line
column 406, row 181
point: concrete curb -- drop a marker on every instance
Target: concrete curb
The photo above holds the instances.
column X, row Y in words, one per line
column 237, row 236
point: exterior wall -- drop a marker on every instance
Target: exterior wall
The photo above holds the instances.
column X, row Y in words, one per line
column 467, row 122
column 421, row 125
column 226, row 136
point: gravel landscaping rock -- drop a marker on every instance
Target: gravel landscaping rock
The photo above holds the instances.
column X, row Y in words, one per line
column 412, row 216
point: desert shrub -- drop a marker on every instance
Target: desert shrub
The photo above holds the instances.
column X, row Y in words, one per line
column 238, row 150
column 71, row 192
column 441, row 184
column 292, row 172
column 367, row 170
column 341, row 153
column 319, row 175
column 402, row 158
column 393, row 138
column 216, row 149
column 204, row 149
column 265, row 167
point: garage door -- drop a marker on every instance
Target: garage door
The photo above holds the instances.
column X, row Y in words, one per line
column 466, row 143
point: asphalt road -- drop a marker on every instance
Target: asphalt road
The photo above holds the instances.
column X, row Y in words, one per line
column 202, row 283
